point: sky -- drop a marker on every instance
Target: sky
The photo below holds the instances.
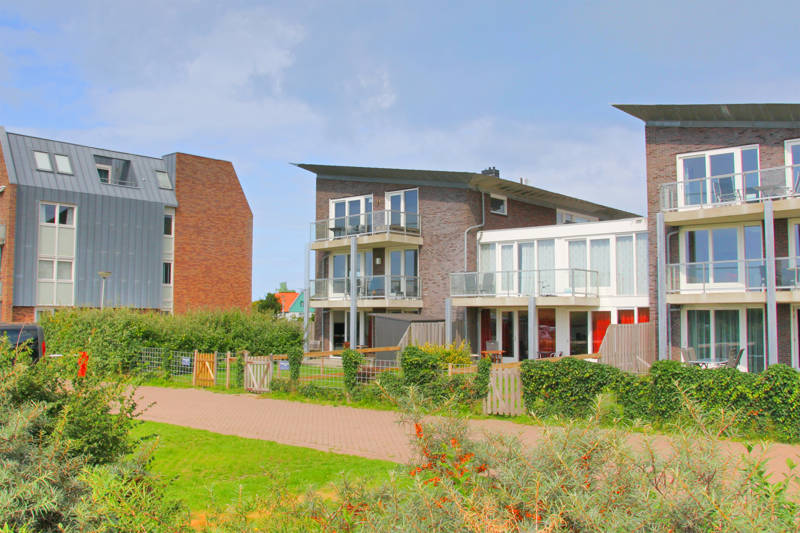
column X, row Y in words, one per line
column 524, row 86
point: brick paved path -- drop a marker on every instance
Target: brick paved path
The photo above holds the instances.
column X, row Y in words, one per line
column 362, row 432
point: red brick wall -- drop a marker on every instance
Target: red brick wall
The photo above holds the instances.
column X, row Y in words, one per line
column 213, row 237
column 784, row 334
column 445, row 213
column 23, row 314
column 8, row 217
column 663, row 144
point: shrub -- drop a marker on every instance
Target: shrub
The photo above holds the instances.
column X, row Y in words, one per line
column 482, row 377
column 114, row 337
column 295, row 356
column 419, row 367
column 754, row 402
column 351, row 360
column 457, row 354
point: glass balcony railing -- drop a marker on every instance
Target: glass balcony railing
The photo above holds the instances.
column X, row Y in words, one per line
column 743, row 187
column 787, row 273
column 367, row 287
column 371, row 223
column 549, row 282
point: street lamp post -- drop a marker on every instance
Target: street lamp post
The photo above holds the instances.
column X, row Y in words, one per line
column 103, row 277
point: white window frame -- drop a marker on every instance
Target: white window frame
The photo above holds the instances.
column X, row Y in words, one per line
column 36, row 161
column 790, row 165
column 102, row 166
column 402, row 194
column 166, row 185
column 56, row 258
column 740, row 285
column 737, row 170
column 403, row 275
column 171, row 274
column 59, row 170
column 564, row 217
column 362, row 203
column 504, row 199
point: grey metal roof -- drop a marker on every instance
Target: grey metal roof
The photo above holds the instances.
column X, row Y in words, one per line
column 730, row 115
column 470, row 180
column 18, row 150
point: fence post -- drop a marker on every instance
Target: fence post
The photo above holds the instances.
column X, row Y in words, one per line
column 449, row 369
column 228, row 370
column 269, row 373
column 194, row 369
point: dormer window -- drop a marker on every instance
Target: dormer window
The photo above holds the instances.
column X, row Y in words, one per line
column 163, row 179
column 498, row 204
column 42, row 161
column 104, row 173
column 63, row 166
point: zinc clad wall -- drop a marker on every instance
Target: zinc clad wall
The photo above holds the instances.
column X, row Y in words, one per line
column 119, row 235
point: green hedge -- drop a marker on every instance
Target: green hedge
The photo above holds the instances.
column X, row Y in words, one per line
column 766, row 402
column 117, row 335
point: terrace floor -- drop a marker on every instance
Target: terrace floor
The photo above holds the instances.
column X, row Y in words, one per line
column 362, row 432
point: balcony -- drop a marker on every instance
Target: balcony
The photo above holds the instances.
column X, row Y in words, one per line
column 374, row 227
column 735, row 281
column 732, row 195
column 371, row 291
column 564, row 286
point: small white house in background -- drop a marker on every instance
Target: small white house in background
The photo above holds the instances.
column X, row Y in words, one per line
column 576, row 277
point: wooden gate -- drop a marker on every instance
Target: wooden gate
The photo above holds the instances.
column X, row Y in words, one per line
column 257, row 373
column 505, row 391
column 205, row 369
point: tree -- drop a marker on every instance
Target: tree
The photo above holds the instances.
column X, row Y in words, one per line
column 269, row 302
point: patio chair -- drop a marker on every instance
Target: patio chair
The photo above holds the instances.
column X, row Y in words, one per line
column 688, row 355
column 734, row 356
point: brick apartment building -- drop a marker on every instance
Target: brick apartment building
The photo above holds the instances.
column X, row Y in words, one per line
column 410, row 229
column 723, row 204
column 171, row 233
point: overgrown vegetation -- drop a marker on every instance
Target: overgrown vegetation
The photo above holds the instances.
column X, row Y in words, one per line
column 114, row 337
column 65, row 454
column 583, row 478
column 765, row 404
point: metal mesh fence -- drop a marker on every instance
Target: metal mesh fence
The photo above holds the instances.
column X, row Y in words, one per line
column 178, row 366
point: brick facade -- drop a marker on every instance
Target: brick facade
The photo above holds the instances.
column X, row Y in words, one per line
column 23, row 314
column 8, row 218
column 213, row 236
column 663, row 144
column 445, row 212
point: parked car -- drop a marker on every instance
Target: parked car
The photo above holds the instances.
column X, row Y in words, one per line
column 19, row 334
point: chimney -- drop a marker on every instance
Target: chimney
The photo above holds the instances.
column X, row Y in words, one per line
column 491, row 171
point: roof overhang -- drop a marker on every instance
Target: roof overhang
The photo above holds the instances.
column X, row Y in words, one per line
column 716, row 115
column 469, row 180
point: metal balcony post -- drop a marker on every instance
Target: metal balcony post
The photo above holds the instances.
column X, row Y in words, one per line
column 306, row 297
column 662, row 316
column 772, row 306
column 353, row 292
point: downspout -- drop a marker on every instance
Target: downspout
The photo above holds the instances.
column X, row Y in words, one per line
column 483, row 222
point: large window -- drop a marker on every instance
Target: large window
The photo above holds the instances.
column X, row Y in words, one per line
column 720, row 176
column 403, row 207
column 600, row 260
column 351, row 216
column 712, row 255
column 56, row 255
column 715, row 334
column 578, row 332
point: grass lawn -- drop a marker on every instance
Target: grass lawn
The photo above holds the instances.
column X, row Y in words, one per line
column 203, row 463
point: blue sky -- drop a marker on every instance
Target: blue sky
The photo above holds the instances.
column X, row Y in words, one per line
column 524, row 86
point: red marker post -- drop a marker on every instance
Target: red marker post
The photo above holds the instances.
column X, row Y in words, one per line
column 83, row 362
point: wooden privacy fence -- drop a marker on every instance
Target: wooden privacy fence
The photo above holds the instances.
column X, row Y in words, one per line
column 422, row 332
column 630, row 347
column 204, row 373
column 505, row 391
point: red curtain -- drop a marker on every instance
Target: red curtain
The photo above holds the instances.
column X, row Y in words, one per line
column 625, row 316
column 600, row 322
column 547, row 330
column 644, row 314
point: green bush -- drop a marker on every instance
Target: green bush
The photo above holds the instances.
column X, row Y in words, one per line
column 295, row 355
column 115, row 336
column 482, row 377
column 457, row 354
column 351, row 360
column 419, row 367
column 769, row 401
